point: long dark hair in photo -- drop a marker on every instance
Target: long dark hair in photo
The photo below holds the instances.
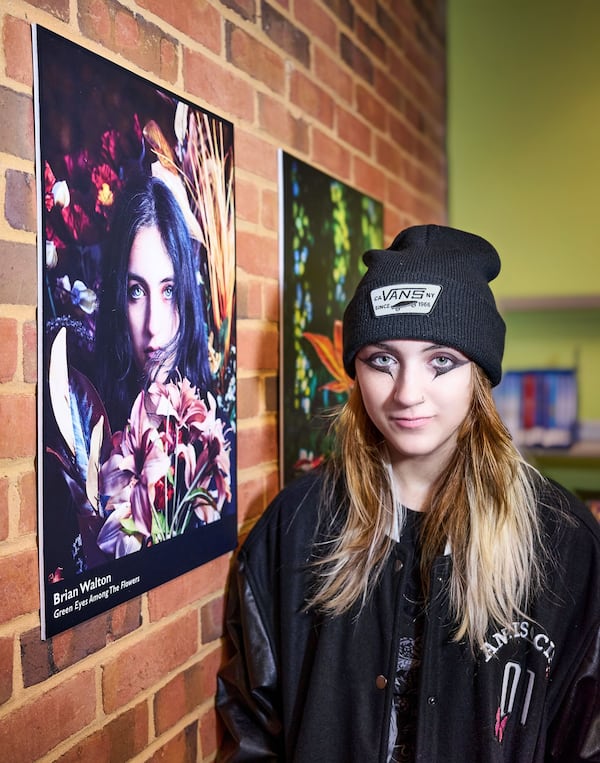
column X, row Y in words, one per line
column 146, row 202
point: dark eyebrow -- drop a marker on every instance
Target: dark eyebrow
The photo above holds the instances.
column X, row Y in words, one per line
column 134, row 277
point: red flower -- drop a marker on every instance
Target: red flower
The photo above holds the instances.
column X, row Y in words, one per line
column 56, row 576
column 49, row 181
column 162, row 496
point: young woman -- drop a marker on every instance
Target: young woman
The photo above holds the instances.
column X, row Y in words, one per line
column 427, row 596
column 151, row 323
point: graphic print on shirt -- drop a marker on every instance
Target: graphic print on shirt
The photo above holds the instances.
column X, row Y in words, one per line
column 404, row 710
column 519, row 680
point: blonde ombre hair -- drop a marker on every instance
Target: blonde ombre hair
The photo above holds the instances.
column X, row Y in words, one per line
column 484, row 505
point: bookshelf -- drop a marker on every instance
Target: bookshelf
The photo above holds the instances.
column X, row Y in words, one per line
column 583, row 457
column 582, row 453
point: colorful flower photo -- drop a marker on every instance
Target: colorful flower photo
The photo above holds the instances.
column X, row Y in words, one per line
column 325, row 227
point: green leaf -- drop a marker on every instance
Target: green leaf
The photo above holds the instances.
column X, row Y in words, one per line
column 129, row 526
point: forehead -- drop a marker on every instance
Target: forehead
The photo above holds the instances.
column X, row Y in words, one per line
column 148, row 255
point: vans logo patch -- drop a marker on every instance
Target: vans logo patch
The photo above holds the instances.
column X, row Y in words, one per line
column 407, row 298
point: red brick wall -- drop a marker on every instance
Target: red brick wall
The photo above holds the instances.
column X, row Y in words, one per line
column 354, row 87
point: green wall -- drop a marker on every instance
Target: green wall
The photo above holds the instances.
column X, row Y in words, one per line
column 524, row 167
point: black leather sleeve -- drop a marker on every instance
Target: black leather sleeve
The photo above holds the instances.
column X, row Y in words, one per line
column 247, row 684
column 576, row 735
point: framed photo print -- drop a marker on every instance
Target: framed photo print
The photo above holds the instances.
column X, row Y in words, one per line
column 325, row 227
column 137, row 344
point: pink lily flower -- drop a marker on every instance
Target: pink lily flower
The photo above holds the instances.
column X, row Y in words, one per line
column 137, row 462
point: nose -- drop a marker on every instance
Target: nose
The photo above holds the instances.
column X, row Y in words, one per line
column 157, row 320
column 408, row 387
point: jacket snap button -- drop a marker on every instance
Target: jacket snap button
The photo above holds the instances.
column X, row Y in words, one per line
column 399, row 565
column 381, row 682
column 432, row 700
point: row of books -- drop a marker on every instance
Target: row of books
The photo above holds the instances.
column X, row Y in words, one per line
column 539, row 407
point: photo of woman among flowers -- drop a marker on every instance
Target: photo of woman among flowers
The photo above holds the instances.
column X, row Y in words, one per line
column 138, row 372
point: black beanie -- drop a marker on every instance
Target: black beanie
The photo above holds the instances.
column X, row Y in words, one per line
column 431, row 284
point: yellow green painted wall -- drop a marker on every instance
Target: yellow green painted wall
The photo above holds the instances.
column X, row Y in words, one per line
column 524, row 166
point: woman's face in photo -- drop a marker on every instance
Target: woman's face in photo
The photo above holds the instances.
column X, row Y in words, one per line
column 152, row 312
column 417, row 394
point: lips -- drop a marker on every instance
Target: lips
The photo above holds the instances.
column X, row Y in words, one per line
column 411, row 423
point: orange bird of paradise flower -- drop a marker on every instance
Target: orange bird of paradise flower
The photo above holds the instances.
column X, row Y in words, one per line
column 330, row 354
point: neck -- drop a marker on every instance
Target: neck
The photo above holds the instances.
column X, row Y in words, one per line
column 413, row 481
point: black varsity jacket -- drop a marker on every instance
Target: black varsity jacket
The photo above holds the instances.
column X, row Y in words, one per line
column 299, row 687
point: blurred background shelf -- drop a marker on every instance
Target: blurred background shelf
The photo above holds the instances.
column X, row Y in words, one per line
column 579, row 452
column 577, row 467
